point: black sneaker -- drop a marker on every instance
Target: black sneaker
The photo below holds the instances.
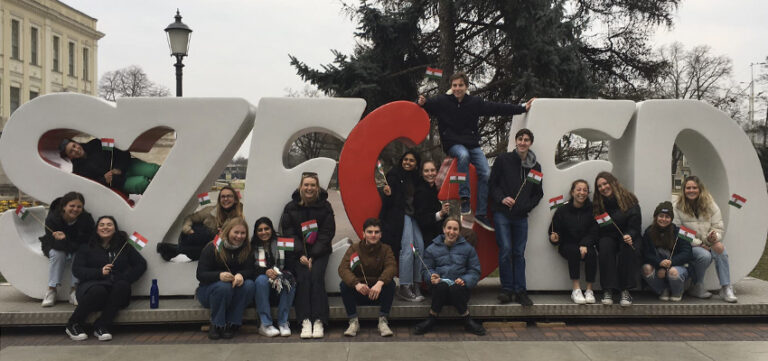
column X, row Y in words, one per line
column 506, row 296
column 76, row 332
column 425, row 326
column 214, row 332
column 102, row 334
column 466, row 207
column 230, row 331
column 483, row 222
column 523, row 299
column 474, row 327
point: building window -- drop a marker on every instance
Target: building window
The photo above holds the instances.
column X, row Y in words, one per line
column 85, row 64
column 15, row 29
column 15, row 98
column 71, row 59
column 33, row 46
column 56, row 54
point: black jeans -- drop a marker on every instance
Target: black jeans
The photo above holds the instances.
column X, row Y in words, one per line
column 456, row 295
column 352, row 298
column 311, row 299
column 619, row 264
column 570, row 251
column 105, row 298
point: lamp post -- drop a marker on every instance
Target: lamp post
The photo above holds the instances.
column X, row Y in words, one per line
column 178, row 40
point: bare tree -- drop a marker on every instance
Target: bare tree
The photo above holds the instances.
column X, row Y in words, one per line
column 130, row 81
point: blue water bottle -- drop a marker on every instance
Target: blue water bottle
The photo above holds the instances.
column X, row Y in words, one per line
column 154, row 295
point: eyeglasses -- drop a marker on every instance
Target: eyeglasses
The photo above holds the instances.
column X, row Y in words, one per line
column 226, row 196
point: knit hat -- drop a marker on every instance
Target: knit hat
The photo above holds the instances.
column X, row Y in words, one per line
column 666, row 208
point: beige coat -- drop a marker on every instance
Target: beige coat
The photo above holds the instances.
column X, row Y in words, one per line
column 207, row 216
column 702, row 225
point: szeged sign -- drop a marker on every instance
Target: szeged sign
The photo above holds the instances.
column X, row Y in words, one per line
column 210, row 131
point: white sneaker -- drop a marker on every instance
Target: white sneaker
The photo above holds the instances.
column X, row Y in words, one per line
column 354, row 326
column 268, row 331
column 285, row 330
column 50, row 298
column 664, row 296
column 589, row 297
column 180, row 258
column 677, row 298
column 726, row 293
column 306, row 328
column 317, row 329
column 577, row 297
column 384, row 329
column 699, row 291
column 626, row 299
column 73, row 297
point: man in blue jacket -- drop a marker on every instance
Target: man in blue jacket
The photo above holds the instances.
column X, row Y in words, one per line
column 457, row 116
column 515, row 186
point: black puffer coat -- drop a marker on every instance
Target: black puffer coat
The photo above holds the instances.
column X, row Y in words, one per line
column 97, row 162
column 427, row 205
column 91, row 258
column 394, row 207
column 211, row 265
column 575, row 225
column 77, row 233
column 321, row 211
column 629, row 222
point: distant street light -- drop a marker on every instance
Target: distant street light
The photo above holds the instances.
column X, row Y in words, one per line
column 178, row 40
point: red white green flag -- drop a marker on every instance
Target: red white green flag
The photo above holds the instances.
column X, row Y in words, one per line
column 434, row 73
column 414, row 249
column 203, row 198
column 284, row 244
column 309, row 230
column 458, row 178
column 604, row 220
column 137, row 241
column 379, row 167
column 217, row 243
column 535, row 176
column 107, row 143
column 556, row 202
column 22, row 211
column 737, row 201
column 354, row 260
column 686, row 233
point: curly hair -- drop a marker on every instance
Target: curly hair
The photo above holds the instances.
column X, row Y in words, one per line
column 624, row 198
column 698, row 207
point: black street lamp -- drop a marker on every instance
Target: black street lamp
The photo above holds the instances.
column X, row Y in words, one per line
column 178, row 40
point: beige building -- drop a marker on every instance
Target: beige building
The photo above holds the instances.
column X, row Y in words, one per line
column 47, row 47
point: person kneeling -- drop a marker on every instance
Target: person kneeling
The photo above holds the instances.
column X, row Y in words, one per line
column 666, row 252
column 453, row 268
column 366, row 273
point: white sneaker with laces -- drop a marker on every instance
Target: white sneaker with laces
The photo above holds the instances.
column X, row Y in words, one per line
column 285, row 330
column 577, row 297
column 50, row 298
column 317, row 329
column 699, row 291
column 268, row 331
column 384, row 329
column 73, row 297
column 589, row 297
column 607, row 298
column 726, row 293
column 354, row 326
column 626, row 299
column 306, row 328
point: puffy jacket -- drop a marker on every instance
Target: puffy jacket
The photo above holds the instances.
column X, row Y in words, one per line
column 87, row 266
column 377, row 263
column 702, row 225
column 457, row 122
column 508, row 174
column 211, row 265
column 574, row 225
column 321, row 211
column 208, row 217
column 77, row 233
column 458, row 261
column 681, row 255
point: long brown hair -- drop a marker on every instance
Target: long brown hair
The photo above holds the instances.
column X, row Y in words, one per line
column 307, row 201
column 624, row 198
column 699, row 206
column 222, row 215
column 245, row 251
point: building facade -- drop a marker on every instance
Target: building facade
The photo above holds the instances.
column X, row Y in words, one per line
column 47, row 47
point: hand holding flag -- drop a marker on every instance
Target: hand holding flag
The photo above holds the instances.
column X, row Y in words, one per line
column 354, row 261
column 605, row 220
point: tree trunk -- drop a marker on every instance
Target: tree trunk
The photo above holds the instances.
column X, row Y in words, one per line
column 446, row 13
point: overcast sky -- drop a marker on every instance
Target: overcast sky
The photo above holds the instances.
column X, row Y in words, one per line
column 240, row 48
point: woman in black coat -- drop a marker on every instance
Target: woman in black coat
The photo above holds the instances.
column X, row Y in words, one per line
column 308, row 219
column 572, row 230
column 618, row 252
column 67, row 226
column 106, row 268
column 430, row 212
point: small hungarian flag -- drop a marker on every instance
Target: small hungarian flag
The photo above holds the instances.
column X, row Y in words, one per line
column 535, row 176
column 354, row 260
column 217, row 242
column 737, row 201
column 686, row 234
column 107, row 143
column 434, row 73
column 556, row 202
column 309, row 230
column 203, row 198
column 379, row 167
column 459, row 178
column 138, row 241
column 284, row 244
column 604, row 220
column 414, row 249
column 22, row 211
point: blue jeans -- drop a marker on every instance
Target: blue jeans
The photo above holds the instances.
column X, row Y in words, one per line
column 352, row 298
column 227, row 304
column 676, row 285
column 263, row 293
column 703, row 258
column 56, row 262
column 475, row 156
column 410, row 264
column 511, row 237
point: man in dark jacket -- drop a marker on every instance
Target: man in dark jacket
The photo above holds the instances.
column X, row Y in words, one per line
column 457, row 121
column 515, row 187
